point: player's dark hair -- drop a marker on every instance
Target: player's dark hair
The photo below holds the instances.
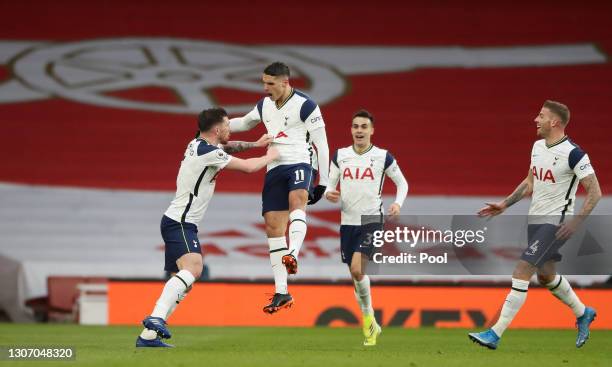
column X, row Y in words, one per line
column 558, row 109
column 365, row 114
column 277, row 69
column 210, row 117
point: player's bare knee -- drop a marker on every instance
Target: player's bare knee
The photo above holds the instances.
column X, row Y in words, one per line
column 271, row 227
column 274, row 230
column 192, row 263
column 194, row 269
column 523, row 270
column 545, row 278
column 522, row 275
column 547, row 272
column 356, row 273
column 298, row 199
column 276, row 223
column 196, row 272
column 297, row 205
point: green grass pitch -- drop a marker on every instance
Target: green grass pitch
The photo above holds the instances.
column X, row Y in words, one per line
column 321, row 347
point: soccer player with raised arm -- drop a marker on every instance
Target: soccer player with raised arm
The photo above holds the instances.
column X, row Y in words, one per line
column 557, row 165
column 295, row 122
column 205, row 157
column 361, row 170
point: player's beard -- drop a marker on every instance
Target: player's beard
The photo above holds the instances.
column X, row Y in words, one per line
column 544, row 130
column 541, row 132
column 224, row 139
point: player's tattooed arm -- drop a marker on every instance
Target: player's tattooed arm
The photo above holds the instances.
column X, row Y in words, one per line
column 239, row 146
column 518, row 194
column 591, row 186
column 523, row 189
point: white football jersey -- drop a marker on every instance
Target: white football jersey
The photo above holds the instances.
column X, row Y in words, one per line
column 556, row 171
column 361, row 179
column 195, row 183
column 289, row 124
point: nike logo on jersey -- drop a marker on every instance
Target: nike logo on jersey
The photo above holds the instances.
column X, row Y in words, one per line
column 297, row 182
column 281, row 135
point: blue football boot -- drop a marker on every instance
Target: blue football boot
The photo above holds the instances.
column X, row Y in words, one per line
column 582, row 324
column 158, row 325
column 486, row 338
column 154, row 343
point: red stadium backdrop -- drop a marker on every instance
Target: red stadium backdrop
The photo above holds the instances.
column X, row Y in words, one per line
column 454, row 88
column 455, row 130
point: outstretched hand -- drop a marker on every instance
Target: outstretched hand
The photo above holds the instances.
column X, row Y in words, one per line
column 492, row 209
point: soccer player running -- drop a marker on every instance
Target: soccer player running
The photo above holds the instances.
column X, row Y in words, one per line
column 295, row 121
column 361, row 170
column 204, row 158
column 556, row 164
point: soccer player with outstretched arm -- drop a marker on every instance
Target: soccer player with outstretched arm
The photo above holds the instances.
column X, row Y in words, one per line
column 204, row 158
column 557, row 165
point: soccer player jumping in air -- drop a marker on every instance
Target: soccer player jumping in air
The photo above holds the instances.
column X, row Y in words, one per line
column 204, row 158
column 295, row 121
column 361, row 170
column 556, row 166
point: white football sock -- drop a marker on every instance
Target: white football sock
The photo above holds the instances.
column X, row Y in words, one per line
column 514, row 301
column 278, row 248
column 562, row 289
column 297, row 231
column 179, row 300
column 174, row 288
column 363, row 296
column 148, row 334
